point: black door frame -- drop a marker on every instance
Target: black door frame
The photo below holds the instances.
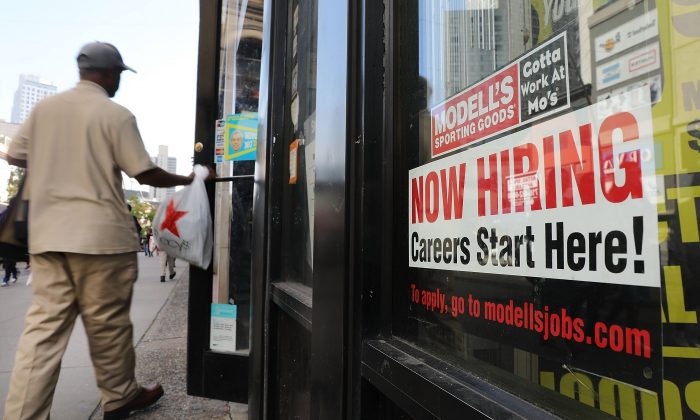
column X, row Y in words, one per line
column 330, row 319
column 209, row 374
column 270, row 81
column 200, row 292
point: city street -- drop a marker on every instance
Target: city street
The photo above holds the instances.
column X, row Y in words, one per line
column 77, row 395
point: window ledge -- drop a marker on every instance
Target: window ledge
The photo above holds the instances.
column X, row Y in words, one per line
column 295, row 299
column 421, row 385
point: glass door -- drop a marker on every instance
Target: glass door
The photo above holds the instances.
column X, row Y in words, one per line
column 290, row 221
column 228, row 89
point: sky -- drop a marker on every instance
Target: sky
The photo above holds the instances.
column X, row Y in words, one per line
column 158, row 38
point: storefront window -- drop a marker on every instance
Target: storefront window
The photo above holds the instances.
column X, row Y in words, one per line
column 241, row 29
column 552, row 149
column 291, row 219
column 296, row 216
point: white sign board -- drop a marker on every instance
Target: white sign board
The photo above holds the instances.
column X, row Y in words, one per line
column 573, row 198
column 636, row 63
column 652, row 83
column 627, row 35
column 222, row 333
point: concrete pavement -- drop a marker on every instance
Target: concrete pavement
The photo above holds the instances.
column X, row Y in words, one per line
column 76, row 394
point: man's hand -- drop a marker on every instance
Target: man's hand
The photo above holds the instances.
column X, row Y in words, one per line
column 159, row 178
column 212, row 174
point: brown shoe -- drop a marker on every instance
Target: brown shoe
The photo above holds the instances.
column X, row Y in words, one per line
column 146, row 397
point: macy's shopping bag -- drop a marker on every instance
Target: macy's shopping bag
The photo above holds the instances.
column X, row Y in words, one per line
column 182, row 226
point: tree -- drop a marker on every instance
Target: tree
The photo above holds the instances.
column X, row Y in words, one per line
column 13, row 184
column 144, row 212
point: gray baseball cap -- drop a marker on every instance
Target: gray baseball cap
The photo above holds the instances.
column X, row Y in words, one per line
column 101, row 55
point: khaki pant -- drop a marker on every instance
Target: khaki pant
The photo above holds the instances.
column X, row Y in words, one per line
column 99, row 289
column 166, row 260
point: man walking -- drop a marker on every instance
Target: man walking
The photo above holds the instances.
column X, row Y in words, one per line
column 81, row 237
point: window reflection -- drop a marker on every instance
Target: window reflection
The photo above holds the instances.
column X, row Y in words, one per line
column 239, row 84
column 613, row 50
column 297, row 216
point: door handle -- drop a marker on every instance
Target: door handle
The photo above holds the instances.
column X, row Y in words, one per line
column 233, row 178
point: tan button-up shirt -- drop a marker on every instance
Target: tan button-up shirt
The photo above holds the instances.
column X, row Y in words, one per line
column 76, row 145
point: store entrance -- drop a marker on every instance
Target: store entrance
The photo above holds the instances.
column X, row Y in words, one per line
column 219, row 332
column 279, row 267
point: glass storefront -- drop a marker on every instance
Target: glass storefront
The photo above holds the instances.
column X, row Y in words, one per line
column 548, row 144
column 296, row 209
column 460, row 207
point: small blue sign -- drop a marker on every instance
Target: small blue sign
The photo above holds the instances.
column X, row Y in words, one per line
column 223, row 310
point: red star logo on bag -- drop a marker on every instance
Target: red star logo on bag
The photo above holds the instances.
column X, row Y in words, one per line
column 171, row 218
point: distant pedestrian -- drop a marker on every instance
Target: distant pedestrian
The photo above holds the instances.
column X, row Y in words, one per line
column 165, row 261
column 82, row 239
column 151, row 243
column 147, row 250
column 10, row 267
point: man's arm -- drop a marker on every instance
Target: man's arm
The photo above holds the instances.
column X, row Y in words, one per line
column 160, row 178
column 16, row 162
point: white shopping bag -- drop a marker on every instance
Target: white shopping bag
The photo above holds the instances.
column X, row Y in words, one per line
column 182, row 226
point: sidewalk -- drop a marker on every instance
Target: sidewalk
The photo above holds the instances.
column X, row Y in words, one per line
column 160, row 330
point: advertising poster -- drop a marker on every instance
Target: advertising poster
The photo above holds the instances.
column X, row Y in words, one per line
column 241, row 136
column 675, row 93
column 549, row 17
column 534, row 86
column 677, row 137
column 570, row 205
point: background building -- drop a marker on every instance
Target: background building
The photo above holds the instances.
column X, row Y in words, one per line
column 7, row 132
column 472, row 40
column 30, row 91
column 169, row 164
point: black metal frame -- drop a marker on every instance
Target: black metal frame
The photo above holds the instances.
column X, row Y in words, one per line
column 270, row 119
column 259, row 247
column 327, row 315
column 200, row 293
column 333, row 269
column 209, row 374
